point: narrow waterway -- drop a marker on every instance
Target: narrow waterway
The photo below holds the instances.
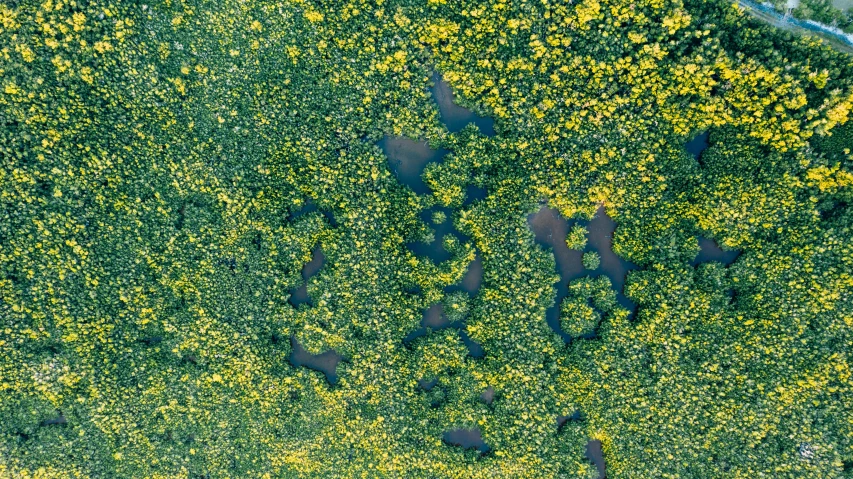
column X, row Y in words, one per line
column 300, row 295
column 601, row 230
column 596, row 455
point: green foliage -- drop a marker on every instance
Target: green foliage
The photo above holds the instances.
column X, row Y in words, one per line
column 160, row 160
column 576, row 239
column 587, row 302
column 591, row 260
column 578, row 317
column 439, row 217
column 838, row 144
column 457, row 306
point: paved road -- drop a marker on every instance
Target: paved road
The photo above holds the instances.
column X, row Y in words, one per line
column 779, row 22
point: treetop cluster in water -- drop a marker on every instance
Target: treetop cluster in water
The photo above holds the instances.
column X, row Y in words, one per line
column 218, row 258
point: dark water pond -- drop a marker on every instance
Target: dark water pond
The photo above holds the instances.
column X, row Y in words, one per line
column 472, row 280
column 434, row 319
column 596, row 455
column 435, row 249
column 550, row 230
column 466, row 439
column 697, row 145
column 710, row 251
column 454, row 116
column 474, row 193
column 326, row 362
column 300, row 294
column 408, row 158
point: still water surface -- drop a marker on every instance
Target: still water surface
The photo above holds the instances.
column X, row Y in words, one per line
column 550, row 230
column 454, row 116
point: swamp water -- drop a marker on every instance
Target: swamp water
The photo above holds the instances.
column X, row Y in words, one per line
column 327, row 361
column 454, row 116
column 550, row 230
column 300, row 294
column 407, row 159
column 697, row 145
column 595, row 454
column 710, row 251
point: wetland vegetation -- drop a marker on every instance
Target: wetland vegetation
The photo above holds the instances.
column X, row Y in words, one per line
column 422, row 239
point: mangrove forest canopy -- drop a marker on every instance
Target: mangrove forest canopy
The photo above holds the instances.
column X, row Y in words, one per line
column 422, row 239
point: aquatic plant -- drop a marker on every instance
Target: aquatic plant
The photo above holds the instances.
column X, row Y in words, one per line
column 591, row 260
column 439, row 217
column 576, row 239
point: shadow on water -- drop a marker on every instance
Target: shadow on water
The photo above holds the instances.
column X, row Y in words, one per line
column 300, row 294
column 550, row 230
column 697, row 145
column 408, row 158
column 710, row 251
column 326, row 362
column 596, row 455
column 454, row 116
column 466, row 439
